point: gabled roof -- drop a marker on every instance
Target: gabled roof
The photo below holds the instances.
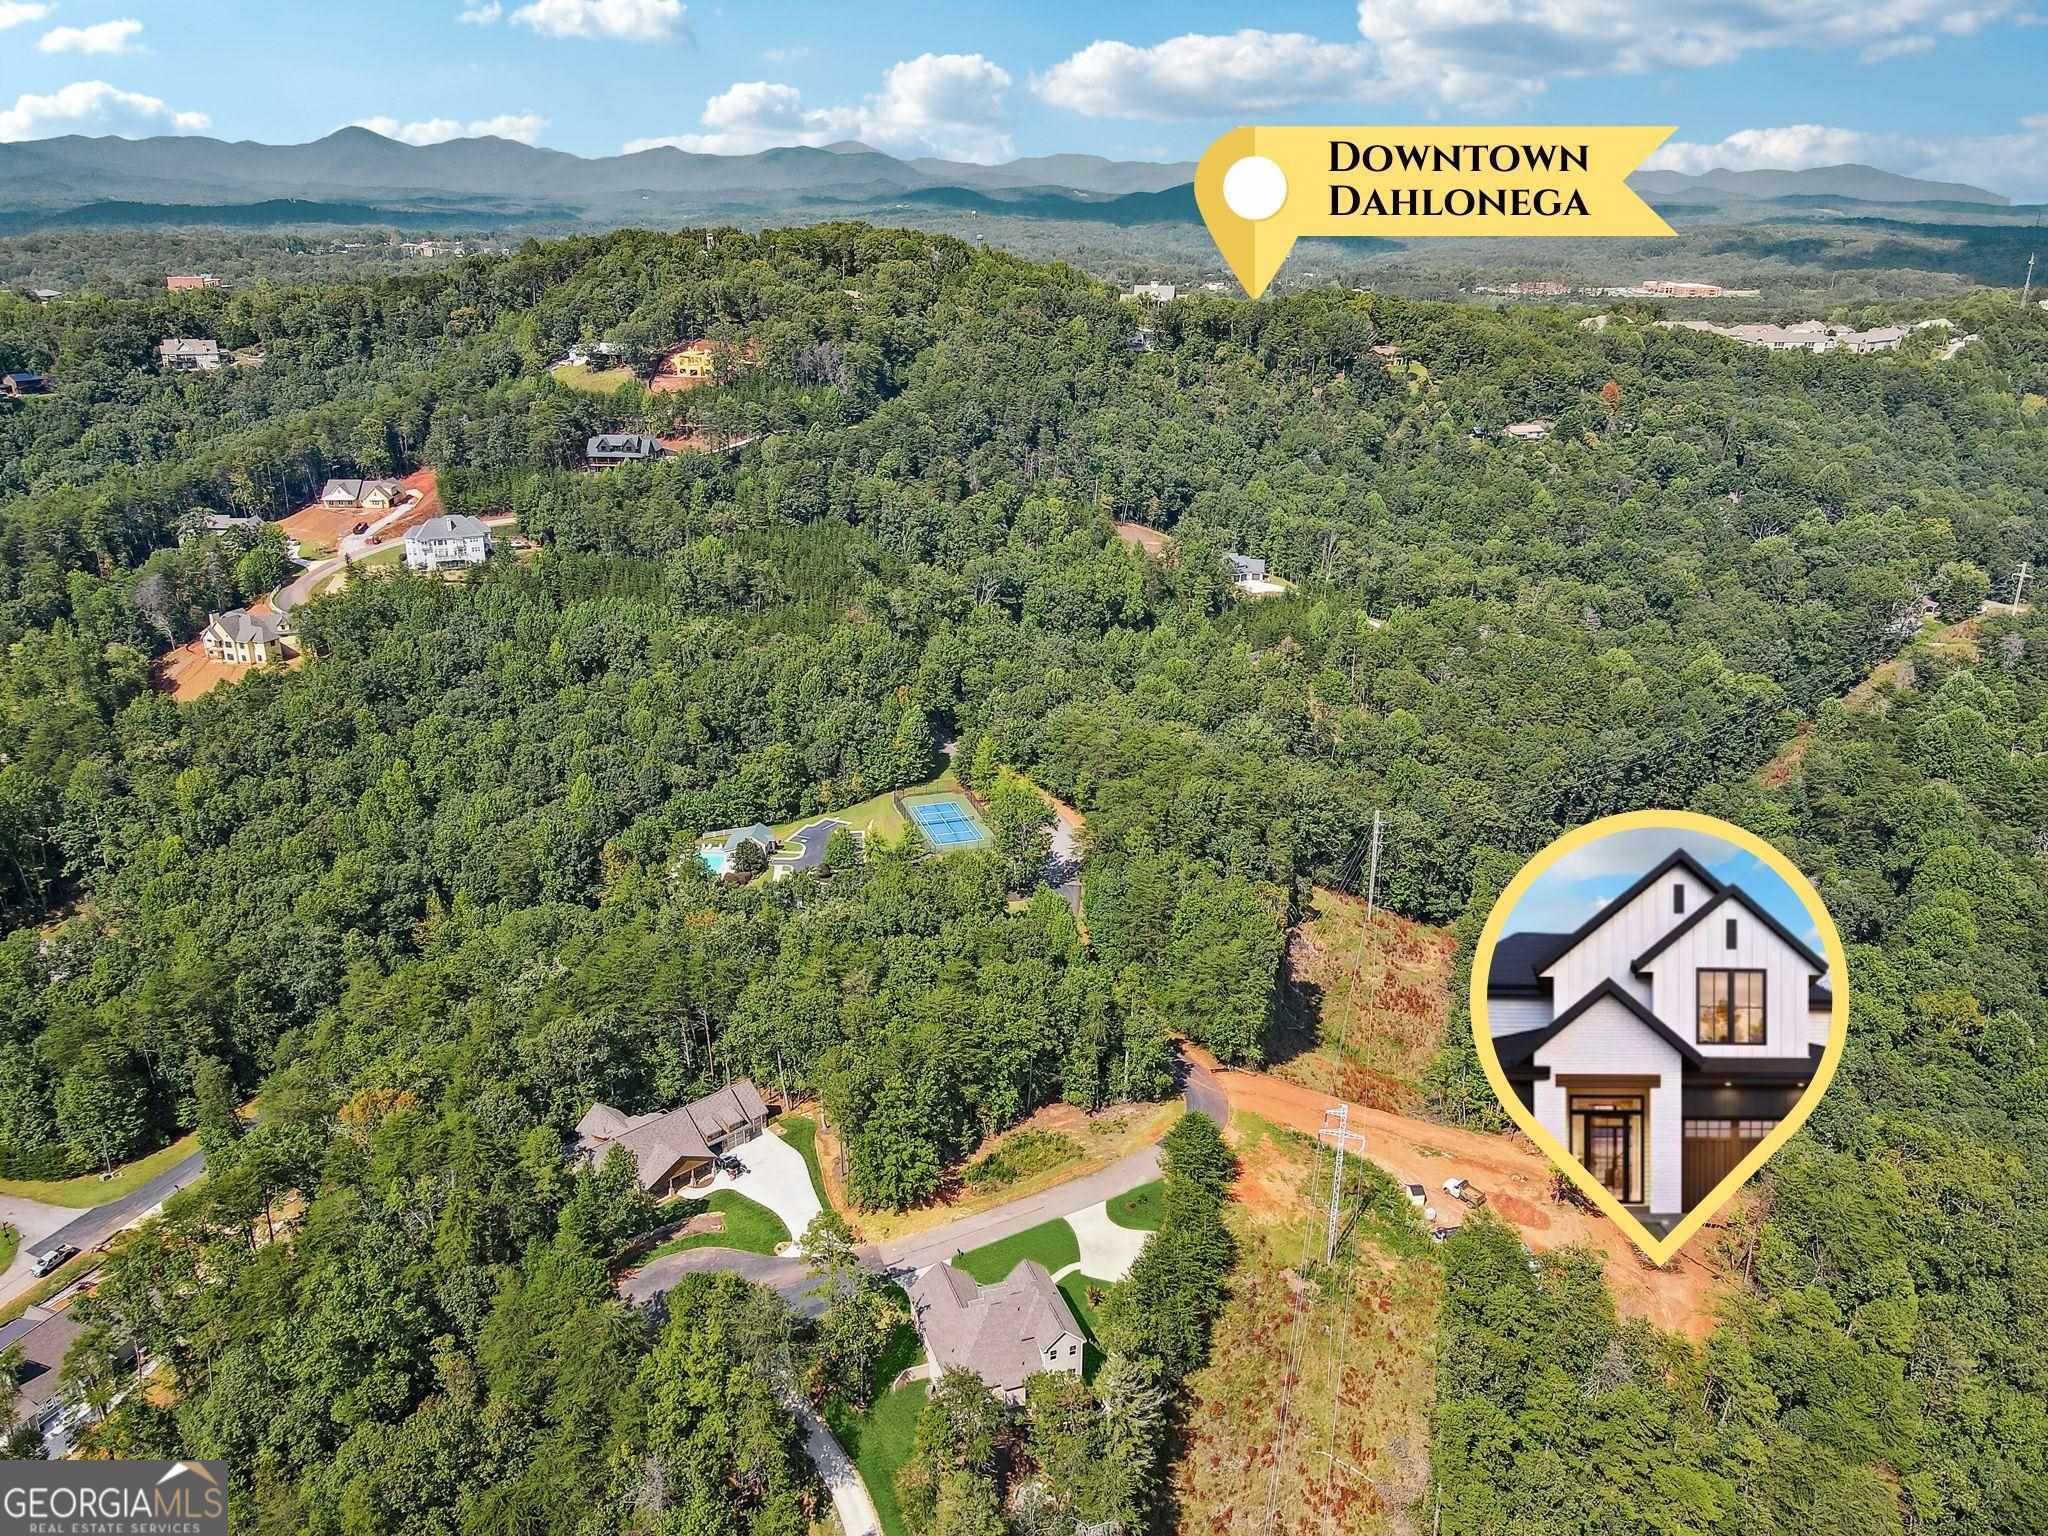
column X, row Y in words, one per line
column 453, row 526
column 660, row 1140
column 246, row 628
column 1736, row 894
column 1525, row 1044
column 1000, row 1332
column 1520, row 959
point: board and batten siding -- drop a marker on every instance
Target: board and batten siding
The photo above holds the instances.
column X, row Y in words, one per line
column 1608, row 951
column 1608, row 1041
column 1791, row 1025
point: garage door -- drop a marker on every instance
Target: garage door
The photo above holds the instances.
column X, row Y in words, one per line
column 1713, row 1148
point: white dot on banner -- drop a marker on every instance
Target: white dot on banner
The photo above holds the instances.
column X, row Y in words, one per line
column 1254, row 188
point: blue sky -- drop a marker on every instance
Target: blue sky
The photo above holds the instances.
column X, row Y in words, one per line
column 1586, row 879
column 1918, row 86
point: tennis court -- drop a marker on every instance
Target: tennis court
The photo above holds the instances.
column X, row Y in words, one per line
column 947, row 822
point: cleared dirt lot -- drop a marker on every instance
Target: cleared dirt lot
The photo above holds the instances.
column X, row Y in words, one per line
column 1516, row 1179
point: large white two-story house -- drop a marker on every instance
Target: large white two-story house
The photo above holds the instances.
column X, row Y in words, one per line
column 453, row 542
column 1665, row 1037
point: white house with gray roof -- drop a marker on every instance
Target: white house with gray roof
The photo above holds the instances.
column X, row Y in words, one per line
column 1004, row 1333
column 188, row 354
column 1663, row 1038
column 447, row 544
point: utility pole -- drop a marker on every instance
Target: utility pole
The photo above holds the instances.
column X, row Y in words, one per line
column 2027, row 289
column 2019, row 582
column 1372, row 882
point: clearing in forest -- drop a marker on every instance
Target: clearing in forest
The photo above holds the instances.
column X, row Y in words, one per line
column 1520, row 1188
column 1151, row 540
column 1298, row 1336
column 1380, row 989
column 1952, row 642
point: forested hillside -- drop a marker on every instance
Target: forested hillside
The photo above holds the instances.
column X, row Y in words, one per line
column 433, row 892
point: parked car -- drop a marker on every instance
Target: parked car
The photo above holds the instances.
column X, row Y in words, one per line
column 376, row 541
column 360, row 528
column 54, row 1260
column 1465, row 1190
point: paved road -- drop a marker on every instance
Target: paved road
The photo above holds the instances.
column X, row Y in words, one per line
column 923, row 1248
column 93, row 1227
column 850, row 1498
column 33, row 1220
column 789, row 1278
column 300, row 587
column 1204, row 1094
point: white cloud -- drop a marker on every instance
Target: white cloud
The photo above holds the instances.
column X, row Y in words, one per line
column 522, row 126
column 2014, row 163
column 1897, row 48
column 19, row 13
column 1791, row 148
column 1477, row 54
column 1204, row 76
column 91, row 104
column 647, row 21
column 100, row 37
column 949, row 104
column 481, row 15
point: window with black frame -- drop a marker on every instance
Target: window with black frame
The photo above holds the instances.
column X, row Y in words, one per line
column 1731, row 1008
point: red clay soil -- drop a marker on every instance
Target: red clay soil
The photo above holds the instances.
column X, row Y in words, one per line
column 187, row 673
column 1151, row 540
column 1516, row 1180
column 326, row 525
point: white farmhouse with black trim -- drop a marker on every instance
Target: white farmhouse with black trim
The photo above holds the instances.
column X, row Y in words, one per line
column 447, row 544
column 1664, row 1038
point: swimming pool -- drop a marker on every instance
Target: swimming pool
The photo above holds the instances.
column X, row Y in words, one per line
column 714, row 859
column 948, row 823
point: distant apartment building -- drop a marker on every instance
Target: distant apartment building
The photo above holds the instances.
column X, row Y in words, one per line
column 1670, row 289
column 184, row 281
column 1158, row 293
column 1815, row 335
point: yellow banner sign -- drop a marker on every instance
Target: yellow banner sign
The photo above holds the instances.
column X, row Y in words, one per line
column 1261, row 189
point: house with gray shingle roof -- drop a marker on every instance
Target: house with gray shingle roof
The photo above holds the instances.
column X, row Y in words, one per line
column 677, row 1149
column 1003, row 1333
column 188, row 354
column 447, row 543
column 246, row 639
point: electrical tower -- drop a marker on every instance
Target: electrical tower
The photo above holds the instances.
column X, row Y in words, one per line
column 2019, row 582
column 1342, row 1139
column 2026, row 292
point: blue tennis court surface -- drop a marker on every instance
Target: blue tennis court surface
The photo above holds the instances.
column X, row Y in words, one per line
column 946, row 823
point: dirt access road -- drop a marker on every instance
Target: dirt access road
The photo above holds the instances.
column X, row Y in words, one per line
column 1515, row 1178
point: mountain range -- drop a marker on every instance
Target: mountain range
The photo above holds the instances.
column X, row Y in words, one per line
column 370, row 178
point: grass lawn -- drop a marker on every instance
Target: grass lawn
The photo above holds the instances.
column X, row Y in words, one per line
column 801, row 1132
column 578, row 376
column 879, row 1440
column 313, row 549
column 877, row 815
column 749, row 1227
column 1051, row 1243
column 1139, row 1210
column 10, row 1241
column 90, row 1189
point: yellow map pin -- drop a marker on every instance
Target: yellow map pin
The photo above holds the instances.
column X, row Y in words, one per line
column 1650, row 1010
column 1261, row 189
